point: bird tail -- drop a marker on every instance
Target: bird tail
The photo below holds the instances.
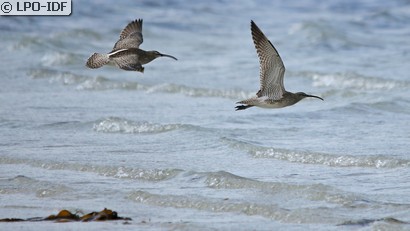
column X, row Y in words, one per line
column 97, row 60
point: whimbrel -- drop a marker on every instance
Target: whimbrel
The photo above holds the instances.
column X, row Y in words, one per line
column 126, row 53
column 272, row 93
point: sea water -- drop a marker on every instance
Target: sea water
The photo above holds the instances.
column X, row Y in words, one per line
column 167, row 148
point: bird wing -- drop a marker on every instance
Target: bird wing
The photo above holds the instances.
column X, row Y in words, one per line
column 272, row 69
column 130, row 36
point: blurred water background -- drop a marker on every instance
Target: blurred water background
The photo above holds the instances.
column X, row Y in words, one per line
column 167, row 149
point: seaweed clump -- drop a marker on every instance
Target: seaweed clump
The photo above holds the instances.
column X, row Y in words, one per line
column 67, row 216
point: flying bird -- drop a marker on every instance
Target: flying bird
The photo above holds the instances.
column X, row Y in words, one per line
column 272, row 93
column 126, row 53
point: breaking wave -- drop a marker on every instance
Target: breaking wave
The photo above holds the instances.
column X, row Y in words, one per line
column 108, row 171
column 66, row 78
column 334, row 160
column 58, row 58
column 120, row 125
column 331, row 160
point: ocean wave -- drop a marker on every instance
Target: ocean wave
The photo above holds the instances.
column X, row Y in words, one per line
column 66, row 78
column 28, row 42
column 397, row 106
column 315, row 192
column 60, row 42
column 102, row 83
column 58, row 58
column 224, row 195
column 224, row 182
column 330, row 159
column 226, row 205
column 120, row 125
column 27, row 185
column 345, row 81
column 84, row 82
column 356, row 81
column 324, row 34
column 333, row 160
column 390, row 17
column 78, row 33
column 119, row 172
column 198, row 92
column 393, row 223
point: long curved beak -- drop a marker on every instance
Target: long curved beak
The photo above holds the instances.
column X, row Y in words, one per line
column 313, row 96
column 169, row 56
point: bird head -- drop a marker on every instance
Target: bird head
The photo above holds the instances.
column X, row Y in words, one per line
column 156, row 54
column 302, row 95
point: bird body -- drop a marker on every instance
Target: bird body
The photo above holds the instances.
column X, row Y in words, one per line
column 272, row 93
column 126, row 53
column 288, row 99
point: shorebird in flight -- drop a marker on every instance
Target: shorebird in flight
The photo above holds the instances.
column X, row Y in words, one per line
column 272, row 93
column 126, row 53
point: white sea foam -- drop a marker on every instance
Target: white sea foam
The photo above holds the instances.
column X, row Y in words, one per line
column 58, row 58
column 120, row 125
column 331, row 159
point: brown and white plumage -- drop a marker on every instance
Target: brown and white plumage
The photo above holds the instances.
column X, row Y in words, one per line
column 272, row 93
column 126, row 53
column 130, row 36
